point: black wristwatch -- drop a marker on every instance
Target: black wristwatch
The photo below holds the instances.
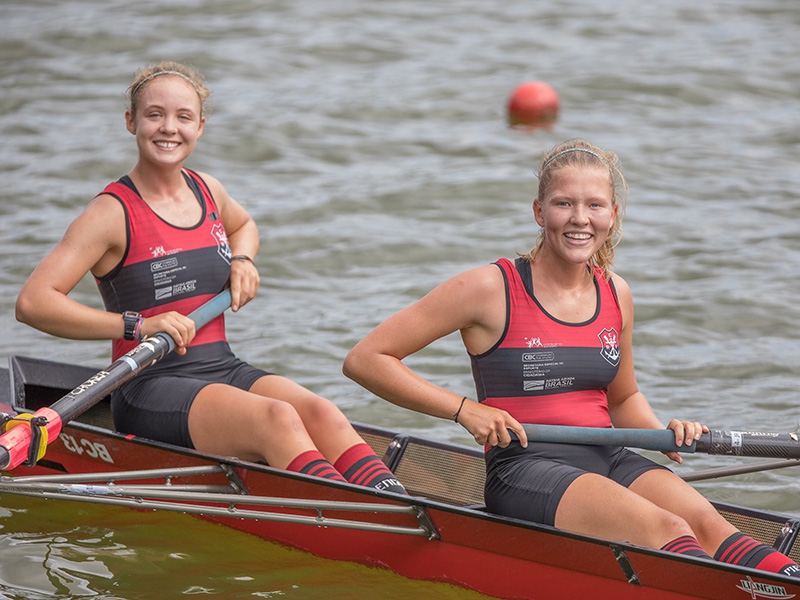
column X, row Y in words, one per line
column 130, row 318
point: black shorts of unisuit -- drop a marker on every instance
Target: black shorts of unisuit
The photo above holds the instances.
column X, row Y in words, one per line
column 155, row 404
column 528, row 483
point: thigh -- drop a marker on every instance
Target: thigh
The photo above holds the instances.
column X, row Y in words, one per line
column 326, row 424
column 626, row 466
column 670, row 492
column 597, row 506
column 527, row 487
column 229, row 421
column 156, row 408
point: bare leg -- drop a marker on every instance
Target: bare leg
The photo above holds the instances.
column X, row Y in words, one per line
column 328, row 428
column 597, row 506
column 232, row 422
column 709, row 527
column 275, row 421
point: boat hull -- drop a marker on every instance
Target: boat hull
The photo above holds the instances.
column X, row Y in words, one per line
column 464, row 545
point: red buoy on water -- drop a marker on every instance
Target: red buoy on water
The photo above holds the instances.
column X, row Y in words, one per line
column 533, row 103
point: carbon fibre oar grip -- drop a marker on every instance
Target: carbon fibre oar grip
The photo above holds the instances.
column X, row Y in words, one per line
column 748, row 443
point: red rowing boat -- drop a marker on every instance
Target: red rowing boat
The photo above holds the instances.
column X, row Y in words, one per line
column 440, row 533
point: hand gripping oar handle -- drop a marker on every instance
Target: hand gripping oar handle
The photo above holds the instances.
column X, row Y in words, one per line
column 731, row 443
column 16, row 442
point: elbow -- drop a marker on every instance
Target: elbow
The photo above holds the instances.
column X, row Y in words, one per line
column 350, row 366
column 23, row 310
column 31, row 308
column 357, row 365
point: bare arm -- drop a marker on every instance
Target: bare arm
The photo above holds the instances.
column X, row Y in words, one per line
column 472, row 303
column 627, row 405
column 94, row 241
column 242, row 234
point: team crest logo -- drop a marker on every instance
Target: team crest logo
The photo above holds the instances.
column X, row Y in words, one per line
column 609, row 346
column 223, row 248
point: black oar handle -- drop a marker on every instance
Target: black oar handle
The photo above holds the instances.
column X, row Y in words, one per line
column 731, row 443
column 750, row 443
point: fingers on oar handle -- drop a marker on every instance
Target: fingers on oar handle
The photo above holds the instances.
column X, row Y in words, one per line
column 203, row 315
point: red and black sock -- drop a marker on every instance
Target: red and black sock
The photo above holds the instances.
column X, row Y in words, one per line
column 312, row 462
column 687, row 545
column 360, row 465
column 741, row 549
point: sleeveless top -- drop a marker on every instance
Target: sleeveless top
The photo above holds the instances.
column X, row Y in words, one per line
column 167, row 267
column 547, row 371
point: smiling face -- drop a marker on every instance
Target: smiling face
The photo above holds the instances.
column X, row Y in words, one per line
column 168, row 121
column 576, row 213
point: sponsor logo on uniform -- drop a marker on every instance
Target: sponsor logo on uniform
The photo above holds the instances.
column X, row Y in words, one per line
column 559, row 382
column 609, row 345
column 161, row 265
column 184, row 287
column 537, row 356
column 535, row 342
column 533, row 385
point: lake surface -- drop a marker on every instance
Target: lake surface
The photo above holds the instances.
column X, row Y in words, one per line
column 369, row 142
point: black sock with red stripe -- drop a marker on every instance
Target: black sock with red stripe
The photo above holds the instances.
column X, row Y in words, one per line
column 740, row 549
column 312, row 462
column 687, row 545
column 360, row 465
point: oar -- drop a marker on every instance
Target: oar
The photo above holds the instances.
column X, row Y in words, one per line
column 732, row 443
column 21, row 443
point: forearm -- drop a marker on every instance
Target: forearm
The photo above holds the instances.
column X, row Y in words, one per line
column 244, row 241
column 387, row 377
column 57, row 314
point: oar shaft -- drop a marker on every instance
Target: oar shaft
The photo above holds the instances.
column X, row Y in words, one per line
column 662, row 440
column 15, row 443
column 717, row 442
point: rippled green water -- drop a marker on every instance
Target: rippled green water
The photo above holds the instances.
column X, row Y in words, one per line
column 368, row 140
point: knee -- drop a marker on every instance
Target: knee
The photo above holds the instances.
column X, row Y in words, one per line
column 710, row 526
column 282, row 416
column 669, row 526
column 325, row 413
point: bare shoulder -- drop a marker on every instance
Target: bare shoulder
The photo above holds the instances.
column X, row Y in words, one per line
column 214, row 185
column 625, row 296
column 103, row 216
column 620, row 285
column 485, row 279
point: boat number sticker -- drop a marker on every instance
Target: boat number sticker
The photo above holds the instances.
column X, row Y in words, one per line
column 83, row 446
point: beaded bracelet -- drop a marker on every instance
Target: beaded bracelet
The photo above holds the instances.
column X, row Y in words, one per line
column 137, row 330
